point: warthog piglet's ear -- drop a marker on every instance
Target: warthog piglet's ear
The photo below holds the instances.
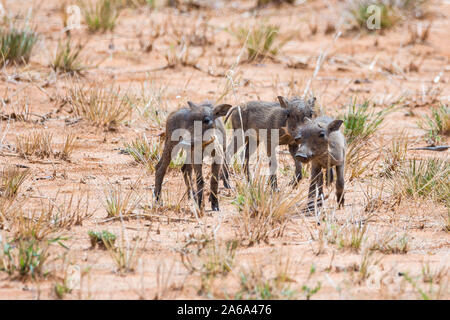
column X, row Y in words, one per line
column 221, row 110
column 311, row 102
column 283, row 102
column 334, row 125
column 191, row 104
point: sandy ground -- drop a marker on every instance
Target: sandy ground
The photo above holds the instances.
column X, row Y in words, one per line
column 356, row 65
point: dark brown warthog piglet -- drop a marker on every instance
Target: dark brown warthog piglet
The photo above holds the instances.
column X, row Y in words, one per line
column 321, row 143
column 205, row 116
column 285, row 116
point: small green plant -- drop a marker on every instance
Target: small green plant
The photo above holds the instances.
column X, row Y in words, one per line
column 219, row 260
column 437, row 125
column 101, row 16
column 67, row 58
column 209, row 259
column 61, row 290
column 26, row 257
column 70, row 280
column 261, row 41
column 16, row 44
column 125, row 254
column 308, row 291
column 432, row 292
column 422, row 293
column 149, row 153
column 368, row 261
column 255, row 286
column 350, row 234
column 102, row 239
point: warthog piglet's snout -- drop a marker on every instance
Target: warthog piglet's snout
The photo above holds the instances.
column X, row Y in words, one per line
column 303, row 156
column 208, row 122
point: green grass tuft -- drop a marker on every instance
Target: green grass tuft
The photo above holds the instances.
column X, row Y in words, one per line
column 101, row 16
column 438, row 124
column 16, row 44
column 67, row 58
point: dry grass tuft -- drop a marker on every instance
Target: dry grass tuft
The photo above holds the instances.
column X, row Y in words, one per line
column 11, row 180
column 390, row 243
column 263, row 213
column 395, row 156
column 262, row 41
column 418, row 34
column 426, row 178
column 120, row 203
column 182, row 54
column 349, row 234
column 40, row 144
column 361, row 124
column 69, row 145
column 103, row 107
column 151, row 105
column 209, row 259
column 37, row 143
